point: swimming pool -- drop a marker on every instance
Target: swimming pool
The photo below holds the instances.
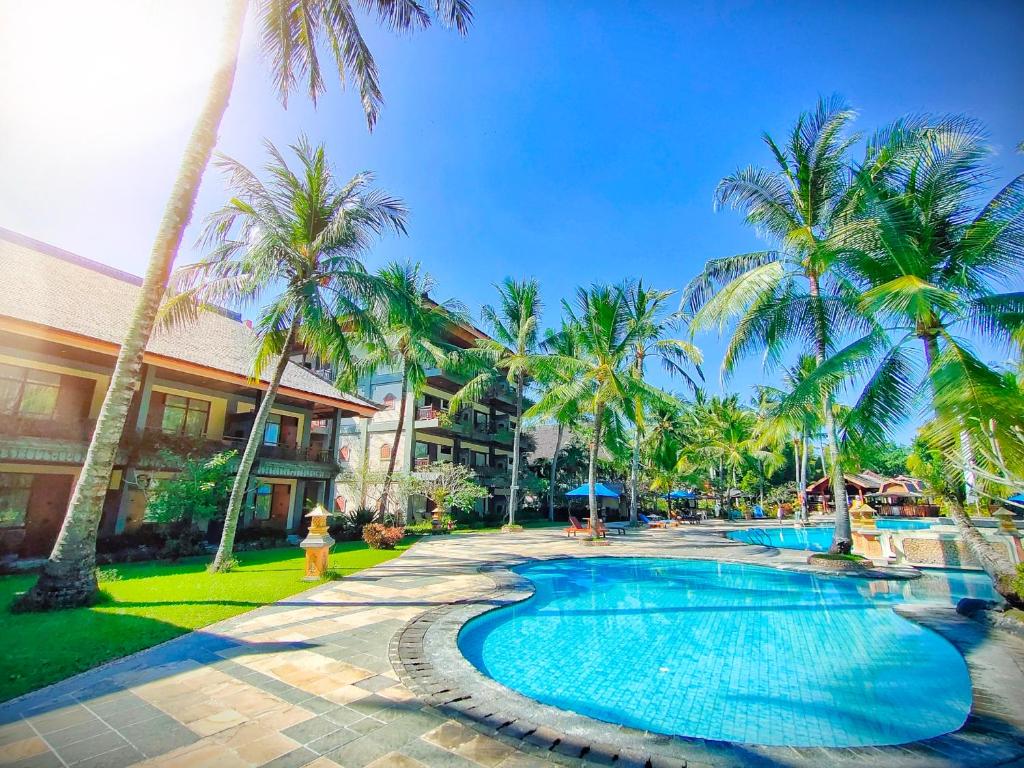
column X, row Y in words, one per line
column 816, row 538
column 725, row 651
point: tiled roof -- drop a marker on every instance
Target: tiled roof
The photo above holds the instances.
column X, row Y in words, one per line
column 54, row 288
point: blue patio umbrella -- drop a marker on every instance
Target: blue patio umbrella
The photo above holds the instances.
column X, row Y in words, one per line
column 1017, row 498
column 600, row 490
column 681, row 495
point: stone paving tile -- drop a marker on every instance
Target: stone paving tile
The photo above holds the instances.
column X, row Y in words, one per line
column 317, row 670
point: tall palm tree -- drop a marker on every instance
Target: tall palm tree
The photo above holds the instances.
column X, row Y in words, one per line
column 406, row 335
column 291, row 35
column 932, row 265
column 791, row 293
column 598, row 381
column 508, row 355
column 800, row 424
column 299, row 238
column 650, row 323
column 559, row 342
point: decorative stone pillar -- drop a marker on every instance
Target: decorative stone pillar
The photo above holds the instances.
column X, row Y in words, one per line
column 1009, row 529
column 317, row 544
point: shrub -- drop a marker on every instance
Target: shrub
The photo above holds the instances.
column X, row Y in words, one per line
column 421, row 528
column 379, row 536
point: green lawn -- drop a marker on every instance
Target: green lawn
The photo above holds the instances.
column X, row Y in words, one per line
column 147, row 603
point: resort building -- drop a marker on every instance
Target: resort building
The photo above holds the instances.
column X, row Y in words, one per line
column 479, row 435
column 899, row 496
column 62, row 318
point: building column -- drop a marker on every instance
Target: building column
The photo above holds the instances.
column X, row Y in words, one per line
column 295, row 516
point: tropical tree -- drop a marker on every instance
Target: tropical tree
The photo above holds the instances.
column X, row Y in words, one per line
column 291, row 37
column 296, row 240
column 450, row 486
column 405, row 334
column 507, row 357
column 791, row 293
column 800, row 422
column 598, row 381
column 650, row 323
column 559, row 342
column 931, row 265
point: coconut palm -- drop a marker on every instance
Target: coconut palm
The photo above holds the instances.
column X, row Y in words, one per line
column 406, row 335
column 790, row 294
column 598, row 381
column 291, row 36
column 509, row 355
column 931, row 266
column 559, row 342
column 650, row 323
column 800, row 424
column 297, row 240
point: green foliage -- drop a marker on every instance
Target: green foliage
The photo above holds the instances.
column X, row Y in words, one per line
column 884, row 457
column 450, row 486
column 198, row 492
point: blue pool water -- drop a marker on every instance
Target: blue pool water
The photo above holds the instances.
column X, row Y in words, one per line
column 815, row 538
column 727, row 651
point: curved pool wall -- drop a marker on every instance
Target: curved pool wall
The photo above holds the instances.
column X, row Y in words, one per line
column 725, row 651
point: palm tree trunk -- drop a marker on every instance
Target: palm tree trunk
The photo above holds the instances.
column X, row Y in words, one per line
column 513, row 494
column 634, row 478
column 68, row 578
column 803, row 479
column 595, row 443
column 554, row 473
column 996, row 564
column 222, row 561
column 842, row 539
column 394, row 443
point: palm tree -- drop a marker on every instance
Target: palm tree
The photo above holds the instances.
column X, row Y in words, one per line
column 800, row 423
column 598, row 381
column 299, row 237
column 930, row 266
column 789, row 294
column 561, row 342
column 406, row 335
column 291, row 35
column 510, row 355
column 649, row 324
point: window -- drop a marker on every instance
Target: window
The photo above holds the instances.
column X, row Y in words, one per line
column 185, row 415
column 272, row 430
column 385, row 451
column 344, row 453
column 15, row 489
column 422, row 450
column 389, row 402
column 28, row 392
column 340, row 503
column 264, row 493
column 479, row 459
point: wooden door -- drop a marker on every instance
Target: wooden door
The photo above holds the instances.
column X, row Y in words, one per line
column 289, row 431
column 47, row 505
column 280, row 505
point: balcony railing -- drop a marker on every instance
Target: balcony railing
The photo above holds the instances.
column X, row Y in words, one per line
column 428, row 413
column 55, row 429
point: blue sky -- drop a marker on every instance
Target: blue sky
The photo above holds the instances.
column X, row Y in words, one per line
column 568, row 141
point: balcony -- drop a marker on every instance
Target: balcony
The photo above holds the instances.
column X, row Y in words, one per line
column 53, row 429
column 59, row 441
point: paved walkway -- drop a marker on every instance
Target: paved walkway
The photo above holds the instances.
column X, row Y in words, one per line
column 308, row 681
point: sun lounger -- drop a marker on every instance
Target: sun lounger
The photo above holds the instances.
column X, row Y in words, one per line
column 619, row 528
column 575, row 526
column 651, row 523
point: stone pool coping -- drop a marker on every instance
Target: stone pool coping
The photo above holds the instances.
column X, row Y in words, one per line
column 426, row 657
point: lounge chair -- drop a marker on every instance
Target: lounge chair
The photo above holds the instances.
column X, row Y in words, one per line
column 652, row 523
column 759, row 513
column 575, row 526
column 619, row 528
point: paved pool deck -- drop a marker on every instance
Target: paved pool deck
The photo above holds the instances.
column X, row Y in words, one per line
column 354, row 673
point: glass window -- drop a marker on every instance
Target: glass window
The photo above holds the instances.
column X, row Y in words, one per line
column 272, row 432
column 28, row 392
column 422, row 450
column 385, row 451
column 15, row 489
column 264, row 493
column 389, row 402
column 185, row 415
